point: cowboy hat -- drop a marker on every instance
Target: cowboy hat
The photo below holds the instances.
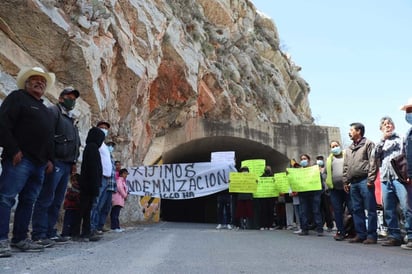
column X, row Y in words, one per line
column 408, row 104
column 26, row 73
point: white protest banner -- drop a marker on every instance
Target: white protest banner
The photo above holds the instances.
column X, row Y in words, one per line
column 223, row 156
column 179, row 181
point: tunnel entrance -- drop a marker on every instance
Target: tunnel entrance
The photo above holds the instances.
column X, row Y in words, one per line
column 203, row 209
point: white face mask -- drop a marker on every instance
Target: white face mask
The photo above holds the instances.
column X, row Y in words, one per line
column 110, row 149
column 336, row 151
column 105, row 131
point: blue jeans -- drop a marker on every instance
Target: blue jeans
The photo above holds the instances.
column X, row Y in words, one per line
column 114, row 217
column 71, row 223
column 224, row 210
column 310, row 206
column 340, row 199
column 392, row 192
column 101, row 207
column 24, row 179
column 363, row 198
column 47, row 207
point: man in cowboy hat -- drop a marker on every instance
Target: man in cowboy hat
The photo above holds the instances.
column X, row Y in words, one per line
column 26, row 136
column 408, row 152
column 67, row 143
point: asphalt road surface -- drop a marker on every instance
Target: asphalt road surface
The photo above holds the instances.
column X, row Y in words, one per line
column 200, row 248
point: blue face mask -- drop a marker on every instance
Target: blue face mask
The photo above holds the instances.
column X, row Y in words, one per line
column 408, row 118
column 304, row 163
column 336, row 151
column 105, row 131
column 319, row 162
column 110, row 149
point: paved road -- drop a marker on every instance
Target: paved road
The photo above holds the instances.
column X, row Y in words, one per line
column 200, row 248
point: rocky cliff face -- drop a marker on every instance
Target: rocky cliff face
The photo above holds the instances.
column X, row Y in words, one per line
column 148, row 66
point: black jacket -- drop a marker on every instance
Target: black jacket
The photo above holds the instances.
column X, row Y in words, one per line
column 66, row 136
column 91, row 170
column 25, row 125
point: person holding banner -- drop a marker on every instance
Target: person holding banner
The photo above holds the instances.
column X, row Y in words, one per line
column 359, row 174
column 339, row 198
column 325, row 203
column 310, row 204
column 224, row 210
column 244, row 205
column 267, row 206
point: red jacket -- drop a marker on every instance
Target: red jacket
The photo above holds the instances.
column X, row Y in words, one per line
column 72, row 198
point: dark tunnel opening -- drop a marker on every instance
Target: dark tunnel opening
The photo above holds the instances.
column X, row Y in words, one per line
column 203, row 209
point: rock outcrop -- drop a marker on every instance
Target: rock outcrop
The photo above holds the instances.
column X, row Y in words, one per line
column 149, row 66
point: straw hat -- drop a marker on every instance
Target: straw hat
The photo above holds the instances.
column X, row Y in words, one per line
column 408, row 104
column 26, row 73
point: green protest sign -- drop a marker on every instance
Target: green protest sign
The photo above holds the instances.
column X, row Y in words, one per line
column 282, row 183
column 242, row 182
column 266, row 188
column 256, row 166
column 304, row 179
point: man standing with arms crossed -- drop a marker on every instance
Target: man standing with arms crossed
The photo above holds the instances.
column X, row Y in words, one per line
column 67, row 143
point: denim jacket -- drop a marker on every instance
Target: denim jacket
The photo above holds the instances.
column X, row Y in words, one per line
column 408, row 150
column 385, row 150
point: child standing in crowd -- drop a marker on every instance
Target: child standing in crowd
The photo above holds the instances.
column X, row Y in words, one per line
column 71, row 208
column 118, row 200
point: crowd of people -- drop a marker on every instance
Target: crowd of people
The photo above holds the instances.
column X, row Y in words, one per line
column 40, row 151
column 41, row 148
column 347, row 198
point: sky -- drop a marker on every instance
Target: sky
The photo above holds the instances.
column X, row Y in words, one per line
column 356, row 56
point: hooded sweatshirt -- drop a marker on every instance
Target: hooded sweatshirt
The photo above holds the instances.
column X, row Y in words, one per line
column 91, row 168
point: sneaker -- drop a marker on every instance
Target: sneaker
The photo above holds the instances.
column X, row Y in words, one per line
column 219, row 226
column 5, row 249
column 339, row 237
column 304, row 233
column 230, row 227
column 297, row 231
column 271, row 228
column 369, row 241
column 118, row 230
column 262, row 228
column 27, row 245
column 45, row 242
column 104, row 229
column 60, row 239
column 407, row 246
column 94, row 237
column 392, row 242
column 356, row 240
column 99, row 232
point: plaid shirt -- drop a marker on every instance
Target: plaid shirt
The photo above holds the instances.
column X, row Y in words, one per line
column 111, row 182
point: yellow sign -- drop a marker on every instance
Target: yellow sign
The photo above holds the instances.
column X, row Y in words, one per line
column 304, row 179
column 256, row 166
column 266, row 188
column 282, row 183
column 242, row 182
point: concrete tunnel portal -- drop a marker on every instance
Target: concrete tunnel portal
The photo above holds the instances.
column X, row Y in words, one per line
column 203, row 209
